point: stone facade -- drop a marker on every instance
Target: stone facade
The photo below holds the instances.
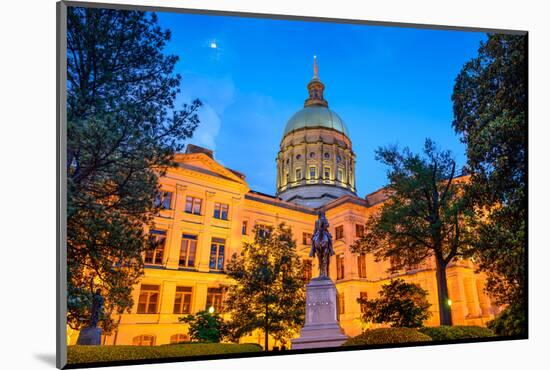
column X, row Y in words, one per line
column 210, row 211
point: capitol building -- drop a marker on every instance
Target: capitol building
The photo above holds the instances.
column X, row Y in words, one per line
column 210, row 210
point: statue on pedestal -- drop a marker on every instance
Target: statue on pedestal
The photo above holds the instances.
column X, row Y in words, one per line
column 321, row 244
column 97, row 308
column 91, row 335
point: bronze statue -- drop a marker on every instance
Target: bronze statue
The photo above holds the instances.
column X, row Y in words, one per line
column 321, row 244
column 97, row 308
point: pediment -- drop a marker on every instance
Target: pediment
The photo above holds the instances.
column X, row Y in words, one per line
column 202, row 163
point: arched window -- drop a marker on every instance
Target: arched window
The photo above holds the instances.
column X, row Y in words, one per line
column 179, row 338
column 144, row 340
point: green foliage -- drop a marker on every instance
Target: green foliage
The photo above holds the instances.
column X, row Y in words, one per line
column 205, row 326
column 490, row 107
column 423, row 216
column 387, row 336
column 399, row 303
column 510, row 322
column 269, row 292
column 457, row 332
column 122, row 131
column 87, row 354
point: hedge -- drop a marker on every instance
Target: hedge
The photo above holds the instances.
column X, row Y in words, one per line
column 86, row 354
column 457, row 332
column 388, row 335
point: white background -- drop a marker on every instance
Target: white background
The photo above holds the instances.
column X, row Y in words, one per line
column 27, row 173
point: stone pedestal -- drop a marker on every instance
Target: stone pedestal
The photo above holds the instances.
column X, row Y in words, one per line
column 321, row 329
column 89, row 337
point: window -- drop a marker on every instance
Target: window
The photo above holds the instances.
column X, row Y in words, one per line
column 298, row 174
column 359, row 230
column 340, row 175
column 312, row 155
column 163, row 199
column 362, row 266
column 326, row 173
column 340, row 232
column 244, row 230
column 308, row 270
column 298, row 157
column 327, row 155
column 193, row 205
column 144, row 340
column 148, row 299
column 154, row 256
column 312, row 173
column 221, row 210
column 214, row 298
column 182, row 302
column 287, row 177
column 341, row 303
column 339, row 267
column 179, row 338
column 306, row 238
column 263, row 231
column 338, row 158
column 217, row 249
column 363, row 296
column 188, row 250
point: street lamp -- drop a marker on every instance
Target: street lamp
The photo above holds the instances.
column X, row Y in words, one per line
column 211, row 309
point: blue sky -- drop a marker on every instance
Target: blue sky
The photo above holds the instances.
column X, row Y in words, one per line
column 390, row 85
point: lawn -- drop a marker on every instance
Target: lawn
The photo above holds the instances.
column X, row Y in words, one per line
column 86, row 354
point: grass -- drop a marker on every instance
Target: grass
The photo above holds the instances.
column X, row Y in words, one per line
column 87, row 354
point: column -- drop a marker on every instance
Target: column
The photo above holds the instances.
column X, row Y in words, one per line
column 203, row 252
column 173, row 244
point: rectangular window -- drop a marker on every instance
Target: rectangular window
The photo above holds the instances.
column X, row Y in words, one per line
column 306, row 238
column 362, row 266
column 217, row 251
column 341, row 304
column 188, row 250
column 359, row 230
column 340, row 232
column 148, row 299
column 163, row 200
column 363, row 296
column 326, row 173
column 214, row 298
column 312, row 173
column 244, row 230
column 182, row 301
column 339, row 267
column 308, row 270
column 221, row 211
column 298, row 174
column 193, row 205
column 155, row 256
column 340, row 175
column 263, row 231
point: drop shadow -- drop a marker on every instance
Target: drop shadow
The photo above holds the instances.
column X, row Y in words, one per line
column 47, row 358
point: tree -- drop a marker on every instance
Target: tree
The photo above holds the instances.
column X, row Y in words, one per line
column 399, row 303
column 269, row 292
column 490, row 106
column 422, row 218
column 205, row 326
column 122, row 131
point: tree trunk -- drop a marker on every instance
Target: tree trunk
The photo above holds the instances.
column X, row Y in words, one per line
column 443, row 295
column 266, row 330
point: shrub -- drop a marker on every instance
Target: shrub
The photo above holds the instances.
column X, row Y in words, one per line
column 511, row 321
column 205, row 326
column 457, row 332
column 86, row 354
column 399, row 304
column 388, row 335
